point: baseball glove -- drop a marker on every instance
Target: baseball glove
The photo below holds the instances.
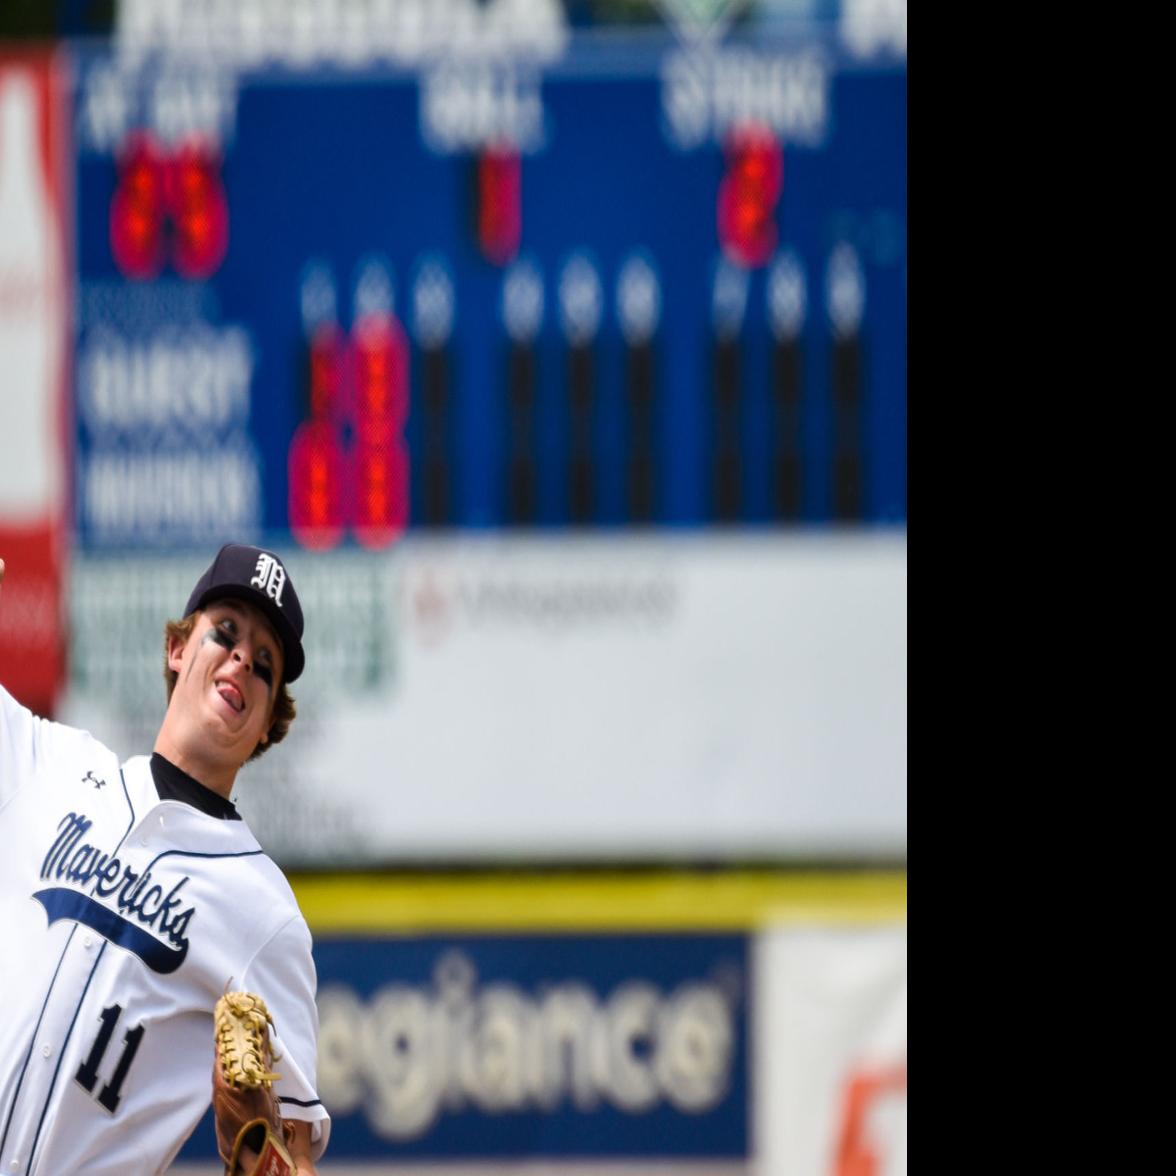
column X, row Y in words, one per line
column 243, row 1103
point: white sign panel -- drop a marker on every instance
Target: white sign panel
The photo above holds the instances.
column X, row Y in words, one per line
column 31, row 309
column 611, row 697
column 831, row 1049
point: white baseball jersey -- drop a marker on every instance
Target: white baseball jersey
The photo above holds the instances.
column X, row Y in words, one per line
column 122, row 919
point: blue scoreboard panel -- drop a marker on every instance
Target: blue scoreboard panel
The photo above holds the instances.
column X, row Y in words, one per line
column 639, row 284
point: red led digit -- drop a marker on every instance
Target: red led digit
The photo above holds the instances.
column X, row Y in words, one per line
column 199, row 209
column 326, row 373
column 138, row 208
column 381, row 489
column 316, row 477
column 381, row 372
column 499, row 204
column 748, row 195
column 379, row 457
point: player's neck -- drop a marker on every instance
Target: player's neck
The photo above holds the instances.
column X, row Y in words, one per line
column 190, row 757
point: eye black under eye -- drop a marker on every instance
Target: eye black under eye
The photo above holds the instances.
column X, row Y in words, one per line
column 264, row 673
column 222, row 637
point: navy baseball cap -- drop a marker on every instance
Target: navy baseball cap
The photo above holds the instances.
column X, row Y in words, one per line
column 252, row 574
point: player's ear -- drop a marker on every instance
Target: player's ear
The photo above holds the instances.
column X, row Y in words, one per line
column 260, row 744
column 175, row 652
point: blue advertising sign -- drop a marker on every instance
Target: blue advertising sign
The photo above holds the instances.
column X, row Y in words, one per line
column 505, row 1046
column 641, row 284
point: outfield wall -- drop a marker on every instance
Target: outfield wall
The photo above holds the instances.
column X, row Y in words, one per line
column 745, row 1023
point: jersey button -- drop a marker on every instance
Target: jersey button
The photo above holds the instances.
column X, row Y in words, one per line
column 45, row 1051
column 88, row 942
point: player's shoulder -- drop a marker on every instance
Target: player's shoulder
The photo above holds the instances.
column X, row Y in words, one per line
column 270, row 878
column 257, row 908
column 282, row 927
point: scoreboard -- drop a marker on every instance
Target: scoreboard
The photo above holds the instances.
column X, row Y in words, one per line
column 578, row 296
column 635, row 283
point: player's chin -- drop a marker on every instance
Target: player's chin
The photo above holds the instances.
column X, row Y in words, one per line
column 230, row 726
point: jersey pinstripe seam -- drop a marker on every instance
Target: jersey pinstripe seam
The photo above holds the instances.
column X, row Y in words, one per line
column 33, row 1039
column 130, row 805
column 61, row 1055
column 199, row 854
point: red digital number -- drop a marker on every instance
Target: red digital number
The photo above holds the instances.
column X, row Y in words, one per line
column 168, row 204
column 327, row 358
column 748, row 195
column 199, row 210
column 381, row 371
column 317, row 478
column 380, row 463
column 381, row 491
column 499, row 204
column 139, row 208
column 316, row 464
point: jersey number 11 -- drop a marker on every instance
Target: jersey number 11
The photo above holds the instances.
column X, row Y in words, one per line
column 87, row 1074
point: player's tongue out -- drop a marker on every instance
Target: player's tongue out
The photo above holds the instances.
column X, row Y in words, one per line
column 231, row 695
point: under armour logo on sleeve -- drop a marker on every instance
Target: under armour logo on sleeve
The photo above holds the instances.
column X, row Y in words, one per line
column 97, row 783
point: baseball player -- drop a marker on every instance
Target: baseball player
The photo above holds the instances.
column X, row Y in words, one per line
column 133, row 897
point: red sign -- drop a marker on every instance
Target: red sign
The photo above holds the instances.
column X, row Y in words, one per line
column 34, row 261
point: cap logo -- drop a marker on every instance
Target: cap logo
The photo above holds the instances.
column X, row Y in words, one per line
column 270, row 577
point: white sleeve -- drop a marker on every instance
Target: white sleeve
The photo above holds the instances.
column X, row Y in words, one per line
column 23, row 739
column 283, row 975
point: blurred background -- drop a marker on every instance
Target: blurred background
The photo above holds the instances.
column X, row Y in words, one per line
column 560, row 348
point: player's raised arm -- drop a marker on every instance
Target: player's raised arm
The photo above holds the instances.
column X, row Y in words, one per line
column 20, row 737
column 20, row 742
